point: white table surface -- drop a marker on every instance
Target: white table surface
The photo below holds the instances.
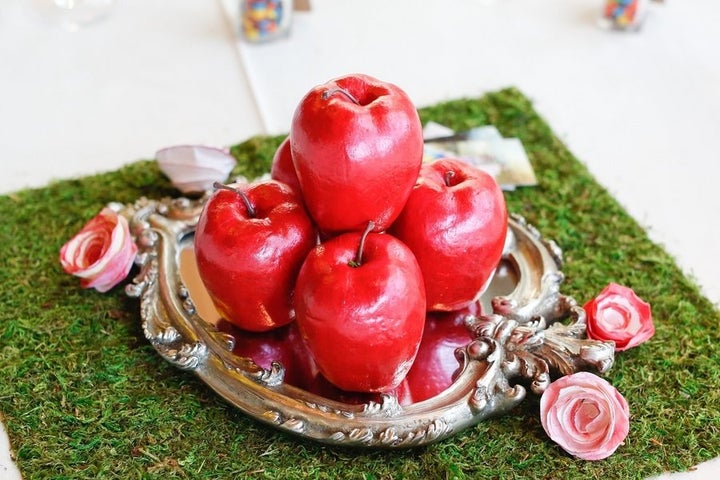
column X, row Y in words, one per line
column 642, row 110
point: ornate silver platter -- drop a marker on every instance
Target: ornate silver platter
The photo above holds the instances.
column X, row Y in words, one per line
column 517, row 346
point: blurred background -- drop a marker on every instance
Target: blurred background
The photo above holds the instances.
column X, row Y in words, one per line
column 89, row 85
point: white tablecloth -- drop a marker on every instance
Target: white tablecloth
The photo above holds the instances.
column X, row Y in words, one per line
column 642, row 110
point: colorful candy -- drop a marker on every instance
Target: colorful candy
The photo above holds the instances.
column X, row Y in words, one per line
column 624, row 13
column 264, row 19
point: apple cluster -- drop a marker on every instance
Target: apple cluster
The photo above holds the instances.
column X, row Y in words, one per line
column 354, row 239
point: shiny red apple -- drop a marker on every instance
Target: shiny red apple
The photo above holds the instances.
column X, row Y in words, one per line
column 360, row 304
column 455, row 222
column 321, row 386
column 250, row 242
column 282, row 168
column 357, row 147
column 435, row 365
column 283, row 345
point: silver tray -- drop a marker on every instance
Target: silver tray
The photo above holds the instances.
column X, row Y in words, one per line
column 517, row 347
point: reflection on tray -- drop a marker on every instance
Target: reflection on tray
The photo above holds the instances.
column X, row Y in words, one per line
column 432, row 372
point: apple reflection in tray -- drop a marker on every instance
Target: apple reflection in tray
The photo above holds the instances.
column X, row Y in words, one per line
column 432, row 372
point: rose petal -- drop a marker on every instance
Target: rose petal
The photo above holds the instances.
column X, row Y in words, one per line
column 194, row 168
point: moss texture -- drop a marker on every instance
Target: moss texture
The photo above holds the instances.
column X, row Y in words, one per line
column 85, row 396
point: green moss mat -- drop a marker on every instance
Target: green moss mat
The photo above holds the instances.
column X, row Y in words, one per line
column 85, row 396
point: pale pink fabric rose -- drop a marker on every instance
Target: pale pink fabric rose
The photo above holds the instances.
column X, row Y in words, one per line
column 102, row 253
column 618, row 314
column 585, row 415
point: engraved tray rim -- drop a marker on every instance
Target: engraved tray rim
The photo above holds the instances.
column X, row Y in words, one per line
column 517, row 346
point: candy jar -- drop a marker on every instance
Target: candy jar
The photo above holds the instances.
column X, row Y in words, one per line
column 624, row 14
column 262, row 20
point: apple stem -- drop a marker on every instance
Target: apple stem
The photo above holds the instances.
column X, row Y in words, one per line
column 357, row 261
column 328, row 93
column 250, row 209
column 448, row 176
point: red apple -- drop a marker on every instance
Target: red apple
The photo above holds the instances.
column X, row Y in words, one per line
column 321, row 386
column 250, row 242
column 455, row 222
column 360, row 305
column 357, row 147
column 282, row 168
column 435, row 365
column 283, row 345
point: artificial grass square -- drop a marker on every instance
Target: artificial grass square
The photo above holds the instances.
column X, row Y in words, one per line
column 84, row 395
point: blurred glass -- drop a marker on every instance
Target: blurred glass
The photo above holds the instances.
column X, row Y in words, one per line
column 74, row 14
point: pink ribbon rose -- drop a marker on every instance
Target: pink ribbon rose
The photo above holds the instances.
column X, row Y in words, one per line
column 618, row 314
column 102, row 253
column 585, row 415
